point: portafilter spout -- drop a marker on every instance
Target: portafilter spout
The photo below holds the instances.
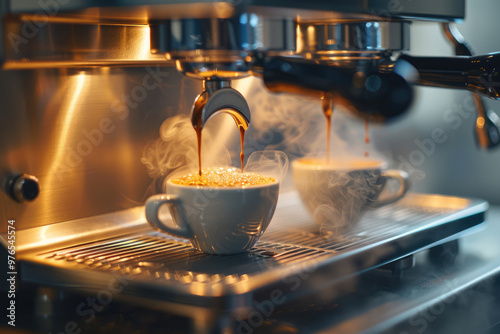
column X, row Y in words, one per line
column 218, row 97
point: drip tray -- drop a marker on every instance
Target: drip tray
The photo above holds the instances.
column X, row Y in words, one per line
column 158, row 267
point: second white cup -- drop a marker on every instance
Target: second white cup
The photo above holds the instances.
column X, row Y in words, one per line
column 338, row 193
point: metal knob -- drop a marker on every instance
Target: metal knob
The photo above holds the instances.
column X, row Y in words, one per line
column 25, row 187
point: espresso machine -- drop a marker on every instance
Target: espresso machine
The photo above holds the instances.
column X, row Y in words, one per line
column 86, row 88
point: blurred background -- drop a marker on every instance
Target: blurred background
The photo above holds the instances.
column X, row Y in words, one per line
column 455, row 166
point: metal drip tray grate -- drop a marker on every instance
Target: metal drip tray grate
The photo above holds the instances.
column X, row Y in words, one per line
column 168, row 269
column 162, row 257
column 378, row 224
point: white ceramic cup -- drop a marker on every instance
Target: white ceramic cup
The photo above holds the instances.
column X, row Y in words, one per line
column 338, row 193
column 217, row 220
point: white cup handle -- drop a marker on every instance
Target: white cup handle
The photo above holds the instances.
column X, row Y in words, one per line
column 399, row 175
column 153, row 205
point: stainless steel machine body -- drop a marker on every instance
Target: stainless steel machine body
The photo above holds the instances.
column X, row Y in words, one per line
column 57, row 54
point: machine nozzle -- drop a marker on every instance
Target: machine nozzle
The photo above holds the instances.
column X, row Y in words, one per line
column 218, row 97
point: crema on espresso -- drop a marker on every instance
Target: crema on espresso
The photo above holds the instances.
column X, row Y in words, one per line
column 222, row 177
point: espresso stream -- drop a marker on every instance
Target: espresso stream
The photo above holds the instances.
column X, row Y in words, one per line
column 242, row 140
column 327, row 111
column 242, row 126
column 327, row 105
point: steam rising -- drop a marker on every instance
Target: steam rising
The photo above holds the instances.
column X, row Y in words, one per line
column 175, row 152
column 269, row 163
column 297, row 126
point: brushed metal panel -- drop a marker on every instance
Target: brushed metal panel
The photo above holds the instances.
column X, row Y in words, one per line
column 82, row 133
column 161, row 9
column 29, row 42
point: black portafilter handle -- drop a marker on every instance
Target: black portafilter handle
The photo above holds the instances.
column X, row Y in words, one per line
column 371, row 94
column 479, row 74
